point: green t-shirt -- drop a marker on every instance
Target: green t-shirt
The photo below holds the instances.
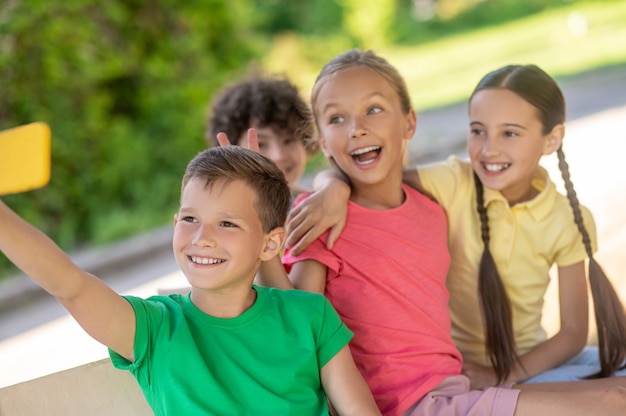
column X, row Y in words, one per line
column 264, row 362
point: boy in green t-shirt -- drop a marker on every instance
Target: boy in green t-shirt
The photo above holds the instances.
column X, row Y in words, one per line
column 227, row 347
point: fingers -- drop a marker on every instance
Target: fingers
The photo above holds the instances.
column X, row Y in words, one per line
column 335, row 233
column 293, row 221
column 305, row 241
column 297, row 238
column 222, row 139
column 253, row 140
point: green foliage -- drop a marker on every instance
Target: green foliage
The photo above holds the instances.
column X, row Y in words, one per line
column 124, row 86
column 305, row 17
column 369, row 22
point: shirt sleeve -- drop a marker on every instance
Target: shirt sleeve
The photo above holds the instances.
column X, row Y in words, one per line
column 148, row 317
column 445, row 181
column 573, row 250
column 333, row 334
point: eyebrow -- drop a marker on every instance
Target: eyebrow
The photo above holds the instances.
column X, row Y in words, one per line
column 519, row 126
column 372, row 94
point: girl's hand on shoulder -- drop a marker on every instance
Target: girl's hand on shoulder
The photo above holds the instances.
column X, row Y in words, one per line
column 480, row 376
column 325, row 209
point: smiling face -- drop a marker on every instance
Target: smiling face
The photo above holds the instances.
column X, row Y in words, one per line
column 363, row 128
column 219, row 240
column 506, row 141
column 287, row 151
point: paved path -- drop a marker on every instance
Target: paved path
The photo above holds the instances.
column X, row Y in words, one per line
column 38, row 337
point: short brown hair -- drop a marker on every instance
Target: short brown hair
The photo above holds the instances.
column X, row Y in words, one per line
column 230, row 163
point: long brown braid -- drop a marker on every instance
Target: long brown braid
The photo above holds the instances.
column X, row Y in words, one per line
column 541, row 91
column 495, row 304
column 609, row 312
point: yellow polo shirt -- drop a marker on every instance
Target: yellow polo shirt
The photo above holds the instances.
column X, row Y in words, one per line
column 526, row 240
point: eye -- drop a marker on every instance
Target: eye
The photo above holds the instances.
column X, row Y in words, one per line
column 335, row 119
column 227, row 224
column 374, row 110
column 476, row 132
column 290, row 140
column 510, row 133
column 189, row 219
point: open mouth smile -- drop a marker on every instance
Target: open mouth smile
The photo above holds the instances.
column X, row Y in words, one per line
column 366, row 155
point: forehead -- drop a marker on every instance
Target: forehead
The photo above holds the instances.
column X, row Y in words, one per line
column 235, row 194
column 353, row 84
column 499, row 103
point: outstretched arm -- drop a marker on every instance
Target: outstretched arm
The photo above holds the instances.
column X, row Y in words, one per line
column 345, row 387
column 102, row 313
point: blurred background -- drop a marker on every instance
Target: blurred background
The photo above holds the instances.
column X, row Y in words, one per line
column 125, row 84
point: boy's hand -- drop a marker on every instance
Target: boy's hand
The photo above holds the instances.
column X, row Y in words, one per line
column 253, row 140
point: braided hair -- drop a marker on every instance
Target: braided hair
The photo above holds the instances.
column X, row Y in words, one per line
column 541, row 91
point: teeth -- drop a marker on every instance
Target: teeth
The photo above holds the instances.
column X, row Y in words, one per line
column 364, row 162
column 205, row 260
column 364, row 150
column 493, row 167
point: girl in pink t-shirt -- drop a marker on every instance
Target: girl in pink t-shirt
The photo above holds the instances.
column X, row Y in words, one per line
column 508, row 227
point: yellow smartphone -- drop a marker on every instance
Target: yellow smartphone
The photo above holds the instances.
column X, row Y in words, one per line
column 24, row 158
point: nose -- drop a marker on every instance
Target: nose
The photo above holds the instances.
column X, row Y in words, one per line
column 357, row 128
column 275, row 151
column 204, row 237
column 491, row 146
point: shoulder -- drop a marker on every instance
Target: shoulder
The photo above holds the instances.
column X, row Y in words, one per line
column 298, row 302
column 156, row 306
column 292, row 297
column 453, row 166
column 447, row 178
column 562, row 202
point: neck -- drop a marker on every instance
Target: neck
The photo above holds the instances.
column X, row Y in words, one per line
column 226, row 304
column 385, row 195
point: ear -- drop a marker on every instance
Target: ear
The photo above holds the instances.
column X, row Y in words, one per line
column 274, row 241
column 323, row 146
column 554, row 139
column 411, row 125
column 175, row 219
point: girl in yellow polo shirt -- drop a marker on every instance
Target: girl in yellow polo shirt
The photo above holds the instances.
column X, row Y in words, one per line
column 507, row 226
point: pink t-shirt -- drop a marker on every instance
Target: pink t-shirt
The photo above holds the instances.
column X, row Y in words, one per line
column 386, row 278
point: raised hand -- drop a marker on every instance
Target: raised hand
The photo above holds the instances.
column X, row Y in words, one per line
column 253, row 140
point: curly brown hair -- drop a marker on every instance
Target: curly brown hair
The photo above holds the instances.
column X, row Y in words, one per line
column 267, row 101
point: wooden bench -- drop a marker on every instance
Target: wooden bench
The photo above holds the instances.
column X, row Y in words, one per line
column 94, row 389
